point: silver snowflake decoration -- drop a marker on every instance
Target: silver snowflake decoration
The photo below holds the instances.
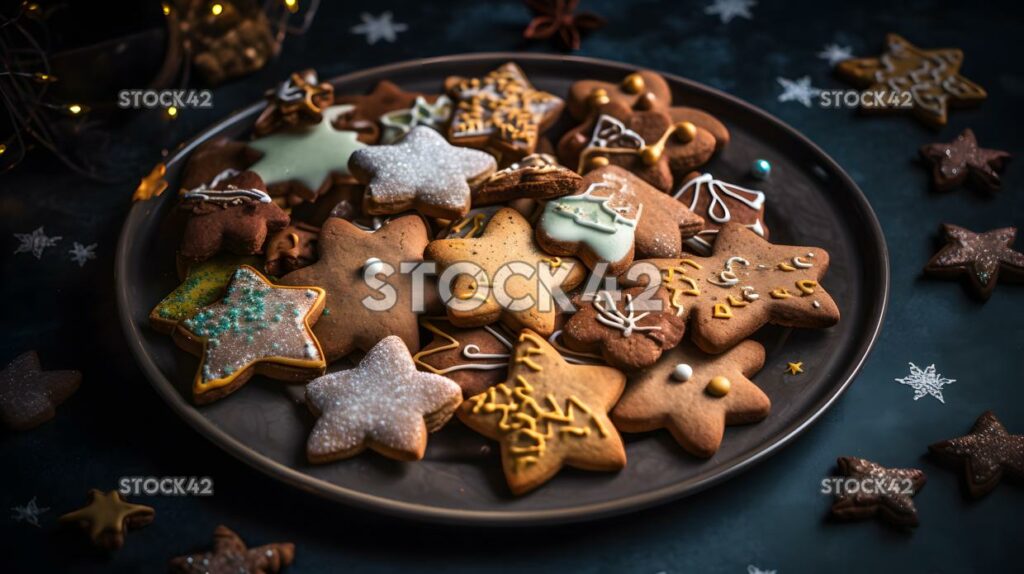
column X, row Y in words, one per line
column 799, row 90
column 34, row 242
column 751, row 569
column 729, row 9
column 28, row 513
column 81, row 254
column 379, row 27
column 835, row 53
column 926, row 382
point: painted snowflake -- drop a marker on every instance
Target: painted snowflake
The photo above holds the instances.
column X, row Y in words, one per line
column 799, row 90
column 81, row 254
column 377, row 28
column 28, row 513
column 926, row 382
column 729, row 9
column 34, row 242
column 835, row 53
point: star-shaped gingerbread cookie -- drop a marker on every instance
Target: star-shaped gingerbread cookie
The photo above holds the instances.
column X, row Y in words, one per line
column 30, row 395
column 985, row 453
column 501, row 111
column 548, row 414
column 475, row 358
column 107, row 516
column 645, row 142
column 258, row 327
column 983, row 257
column 352, row 269
column 928, row 80
column 961, row 160
column 528, row 303
column 695, row 396
column 884, row 492
column 203, row 285
column 298, row 101
column 422, row 172
column 384, row 404
column 745, row 284
column 230, row 555
column 381, row 115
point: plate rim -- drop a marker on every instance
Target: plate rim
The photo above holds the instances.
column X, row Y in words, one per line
column 423, row 512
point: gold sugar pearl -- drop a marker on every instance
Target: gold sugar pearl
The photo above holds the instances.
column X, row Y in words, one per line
column 685, row 131
column 597, row 161
column 649, row 155
column 598, row 97
column 633, row 84
column 718, row 386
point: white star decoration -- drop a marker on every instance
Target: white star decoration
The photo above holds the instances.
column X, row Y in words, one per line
column 379, row 27
column 799, row 90
column 81, row 254
column 28, row 513
column 835, row 53
column 751, row 569
column 926, row 382
column 729, row 9
column 34, row 242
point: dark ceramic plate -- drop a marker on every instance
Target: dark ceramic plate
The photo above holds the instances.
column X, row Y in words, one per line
column 811, row 201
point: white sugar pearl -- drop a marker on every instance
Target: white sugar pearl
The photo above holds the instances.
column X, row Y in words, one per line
column 682, row 372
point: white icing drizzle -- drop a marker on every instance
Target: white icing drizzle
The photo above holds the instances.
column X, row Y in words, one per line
column 287, row 91
column 749, row 294
column 611, row 133
column 570, row 356
column 800, row 263
column 718, row 211
column 472, row 352
column 205, row 191
column 728, row 278
column 587, row 196
column 611, row 316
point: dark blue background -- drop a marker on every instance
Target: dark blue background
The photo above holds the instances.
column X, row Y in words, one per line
column 772, row 516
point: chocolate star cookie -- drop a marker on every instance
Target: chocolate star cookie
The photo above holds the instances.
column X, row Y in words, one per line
column 507, row 238
column 384, row 404
column 352, row 268
column 501, row 112
column 474, row 358
column 422, row 172
column 695, row 396
column 298, row 101
column 231, row 556
column 30, row 395
column 982, row 257
column 646, row 143
column 928, row 80
column 106, row 518
column 880, row 491
column 235, row 215
column 985, row 453
column 536, row 176
column 961, row 160
column 547, row 414
column 628, row 328
column 257, row 327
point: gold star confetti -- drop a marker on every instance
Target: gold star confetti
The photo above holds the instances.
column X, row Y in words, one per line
column 795, row 368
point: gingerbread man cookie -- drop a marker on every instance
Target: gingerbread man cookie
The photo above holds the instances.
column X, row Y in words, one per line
column 720, row 202
column 384, row 404
column 422, row 172
column 257, row 328
column 695, row 396
column 548, row 414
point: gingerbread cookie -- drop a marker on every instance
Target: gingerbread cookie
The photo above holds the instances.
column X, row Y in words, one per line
column 257, row 328
column 508, row 237
column 641, row 90
column 720, row 202
column 536, row 176
column 548, row 414
column 695, row 396
column 216, row 160
column 984, row 453
column 646, row 143
column 230, row 555
column 928, row 80
column 501, row 112
column 962, row 161
column 629, row 328
column 294, row 247
column 203, row 285
column 384, row 404
column 306, row 161
column 235, row 215
column 29, row 395
column 474, row 358
column 983, row 258
column 745, row 284
column 296, row 102
column 353, row 268
column 422, row 172
column 389, row 112
column 107, row 516
column 886, row 493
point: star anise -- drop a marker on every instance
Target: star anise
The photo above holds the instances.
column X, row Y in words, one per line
column 560, row 17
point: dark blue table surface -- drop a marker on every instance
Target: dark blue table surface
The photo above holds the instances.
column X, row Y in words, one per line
column 772, row 517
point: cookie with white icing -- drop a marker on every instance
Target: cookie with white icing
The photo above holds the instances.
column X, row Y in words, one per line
column 384, row 404
column 475, row 358
column 720, row 202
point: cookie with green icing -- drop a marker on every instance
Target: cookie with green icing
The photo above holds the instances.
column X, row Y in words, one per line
column 204, row 284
